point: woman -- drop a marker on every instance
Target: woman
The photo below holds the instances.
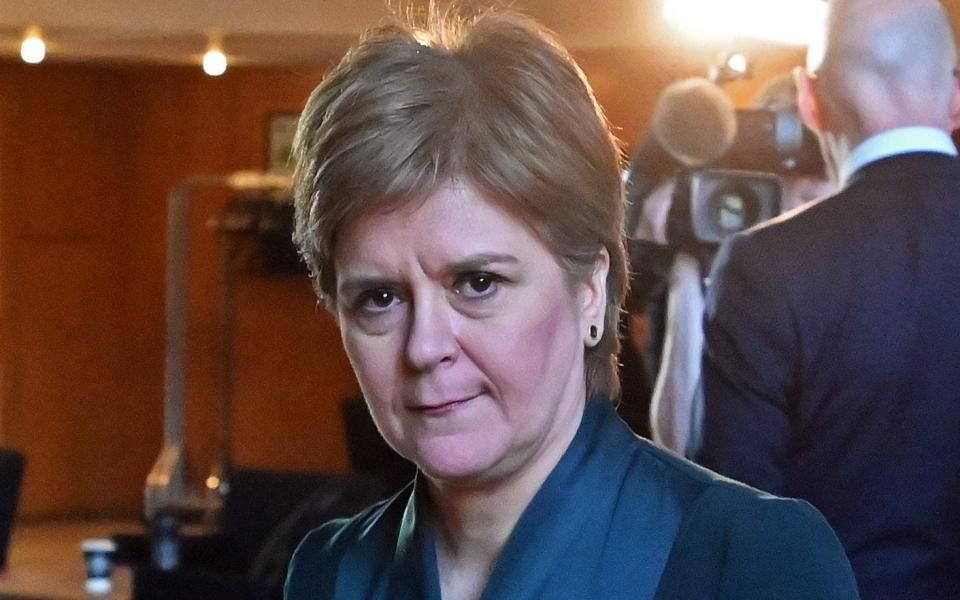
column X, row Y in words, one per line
column 460, row 207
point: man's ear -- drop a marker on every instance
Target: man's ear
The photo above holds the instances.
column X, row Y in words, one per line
column 809, row 102
column 955, row 102
column 594, row 308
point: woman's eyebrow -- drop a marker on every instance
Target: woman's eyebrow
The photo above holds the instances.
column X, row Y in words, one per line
column 479, row 261
column 353, row 285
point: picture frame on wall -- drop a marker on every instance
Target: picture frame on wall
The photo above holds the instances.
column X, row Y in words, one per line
column 281, row 128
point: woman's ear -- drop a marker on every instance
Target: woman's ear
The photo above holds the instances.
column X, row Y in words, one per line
column 594, row 308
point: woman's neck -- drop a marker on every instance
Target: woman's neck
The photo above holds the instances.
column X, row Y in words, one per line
column 470, row 535
column 473, row 523
column 477, row 522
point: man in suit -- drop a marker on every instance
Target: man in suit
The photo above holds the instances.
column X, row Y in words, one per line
column 832, row 361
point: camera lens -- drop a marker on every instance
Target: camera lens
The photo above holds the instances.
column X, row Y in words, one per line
column 732, row 212
column 733, row 208
column 722, row 202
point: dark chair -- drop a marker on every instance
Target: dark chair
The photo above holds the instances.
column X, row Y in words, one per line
column 11, row 479
column 367, row 451
column 264, row 516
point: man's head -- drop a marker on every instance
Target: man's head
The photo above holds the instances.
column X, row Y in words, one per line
column 882, row 64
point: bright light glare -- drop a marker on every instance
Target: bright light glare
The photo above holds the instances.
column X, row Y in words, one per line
column 214, row 63
column 33, row 50
column 738, row 63
column 785, row 21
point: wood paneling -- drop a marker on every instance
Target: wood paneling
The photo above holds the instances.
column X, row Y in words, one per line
column 60, row 245
column 87, row 157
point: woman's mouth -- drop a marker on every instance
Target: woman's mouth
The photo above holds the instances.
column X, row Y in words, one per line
column 436, row 409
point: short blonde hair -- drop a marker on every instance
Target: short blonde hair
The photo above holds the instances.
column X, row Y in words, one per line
column 492, row 99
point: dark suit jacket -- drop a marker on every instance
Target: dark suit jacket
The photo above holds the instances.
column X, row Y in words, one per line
column 832, row 369
column 617, row 518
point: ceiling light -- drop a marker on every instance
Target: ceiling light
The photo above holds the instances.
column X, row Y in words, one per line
column 215, row 61
column 33, row 49
column 738, row 62
column 786, row 21
column 729, row 67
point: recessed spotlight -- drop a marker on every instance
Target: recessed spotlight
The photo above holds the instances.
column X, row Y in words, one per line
column 33, row 49
column 214, row 62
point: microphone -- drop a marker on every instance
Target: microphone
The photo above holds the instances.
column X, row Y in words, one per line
column 694, row 121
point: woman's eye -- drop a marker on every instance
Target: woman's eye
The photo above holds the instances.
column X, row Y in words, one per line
column 477, row 285
column 376, row 301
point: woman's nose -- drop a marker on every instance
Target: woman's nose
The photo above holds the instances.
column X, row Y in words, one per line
column 431, row 340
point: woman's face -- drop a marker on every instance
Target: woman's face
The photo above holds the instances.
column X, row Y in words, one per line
column 465, row 335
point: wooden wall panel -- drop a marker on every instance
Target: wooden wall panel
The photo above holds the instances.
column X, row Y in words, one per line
column 219, row 126
column 60, row 235
column 88, row 157
column 66, row 415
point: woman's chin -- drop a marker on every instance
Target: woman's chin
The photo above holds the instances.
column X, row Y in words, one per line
column 458, row 465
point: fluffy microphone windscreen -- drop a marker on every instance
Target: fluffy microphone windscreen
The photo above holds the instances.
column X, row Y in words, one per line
column 694, row 121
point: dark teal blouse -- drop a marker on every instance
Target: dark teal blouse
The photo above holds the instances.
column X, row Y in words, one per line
column 617, row 518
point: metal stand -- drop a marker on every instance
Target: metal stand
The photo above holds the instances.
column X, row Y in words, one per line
column 166, row 489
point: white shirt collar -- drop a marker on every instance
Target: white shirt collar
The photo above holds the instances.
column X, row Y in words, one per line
column 896, row 141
